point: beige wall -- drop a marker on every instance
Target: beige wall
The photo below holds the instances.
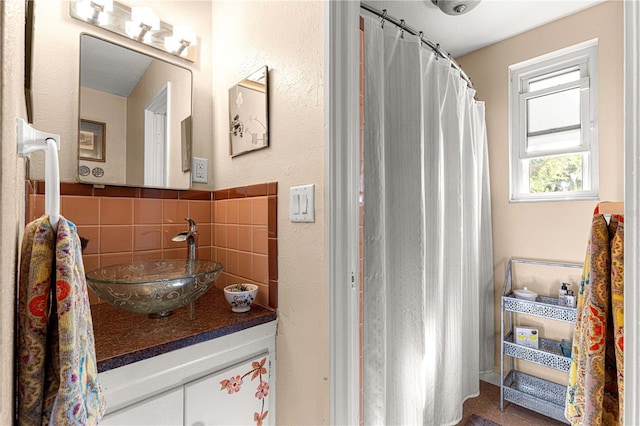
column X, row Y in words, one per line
column 11, row 187
column 550, row 230
column 286, row 36
column 56, row 66
column 111, row 110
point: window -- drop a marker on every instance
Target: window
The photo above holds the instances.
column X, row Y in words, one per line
column 554, row 126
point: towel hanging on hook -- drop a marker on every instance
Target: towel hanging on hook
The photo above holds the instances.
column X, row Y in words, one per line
column 31, row 140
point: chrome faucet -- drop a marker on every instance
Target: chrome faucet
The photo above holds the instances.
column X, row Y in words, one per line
column 191, row 237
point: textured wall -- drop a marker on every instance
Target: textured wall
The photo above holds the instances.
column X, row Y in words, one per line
column 286, row 36
column 11, row 187
column 550, row 230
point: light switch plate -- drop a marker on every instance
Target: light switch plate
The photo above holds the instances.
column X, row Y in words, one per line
column 199, row 170
column 302, row 203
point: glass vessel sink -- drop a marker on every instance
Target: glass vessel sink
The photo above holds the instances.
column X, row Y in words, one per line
column 154, row 287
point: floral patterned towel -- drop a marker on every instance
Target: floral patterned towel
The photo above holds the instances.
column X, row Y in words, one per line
column 596, row 378
column 57, row 372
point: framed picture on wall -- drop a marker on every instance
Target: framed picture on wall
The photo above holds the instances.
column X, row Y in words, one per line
column 91, row 140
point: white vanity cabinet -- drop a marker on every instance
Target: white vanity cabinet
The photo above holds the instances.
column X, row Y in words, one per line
column 223, row 381
column 166, row 408
column 236, row 396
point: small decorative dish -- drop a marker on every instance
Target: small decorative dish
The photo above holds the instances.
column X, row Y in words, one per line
column 240, row 296
column 525, row 294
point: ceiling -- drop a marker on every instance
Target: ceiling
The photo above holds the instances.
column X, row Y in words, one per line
column 110, row 68
column 488, row 23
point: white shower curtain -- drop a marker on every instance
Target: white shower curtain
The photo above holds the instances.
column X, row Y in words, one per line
column 428, row 288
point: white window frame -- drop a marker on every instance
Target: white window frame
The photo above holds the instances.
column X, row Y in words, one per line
column 584, row 57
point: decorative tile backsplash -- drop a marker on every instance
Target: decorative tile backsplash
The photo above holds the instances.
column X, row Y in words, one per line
column 237, row 227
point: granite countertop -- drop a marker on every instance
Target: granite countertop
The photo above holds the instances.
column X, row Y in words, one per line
column 123, row 337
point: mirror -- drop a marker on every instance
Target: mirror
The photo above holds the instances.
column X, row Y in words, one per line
column 249, row 114
column 135, row 118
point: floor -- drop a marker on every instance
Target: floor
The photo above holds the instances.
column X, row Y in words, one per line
column 487, row 405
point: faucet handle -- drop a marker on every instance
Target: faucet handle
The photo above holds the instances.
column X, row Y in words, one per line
column 192, row 224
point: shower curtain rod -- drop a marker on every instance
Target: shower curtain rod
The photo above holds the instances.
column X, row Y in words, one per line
column 382, row 14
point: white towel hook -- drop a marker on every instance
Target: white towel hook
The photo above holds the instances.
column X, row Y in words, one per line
column 32, row 140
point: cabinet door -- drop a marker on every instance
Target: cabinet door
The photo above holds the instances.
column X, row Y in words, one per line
column 163, row 409
column 238, row 395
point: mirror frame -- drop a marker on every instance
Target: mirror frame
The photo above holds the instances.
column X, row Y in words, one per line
column 247, row 89
column 183, row 127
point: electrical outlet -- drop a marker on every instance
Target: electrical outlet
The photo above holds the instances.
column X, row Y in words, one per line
column 199, row 168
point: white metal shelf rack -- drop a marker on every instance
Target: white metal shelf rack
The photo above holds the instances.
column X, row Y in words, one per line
column 531, row 392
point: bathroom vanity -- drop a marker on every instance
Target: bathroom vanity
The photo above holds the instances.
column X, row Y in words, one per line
column 205, row 365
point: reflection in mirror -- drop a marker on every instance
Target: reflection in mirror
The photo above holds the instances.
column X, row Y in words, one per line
column 249, row 114
column 142, row 104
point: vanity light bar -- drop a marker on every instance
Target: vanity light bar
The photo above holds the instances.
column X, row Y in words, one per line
column 137, row 24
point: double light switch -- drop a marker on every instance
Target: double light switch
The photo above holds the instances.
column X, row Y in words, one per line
column 302, row 203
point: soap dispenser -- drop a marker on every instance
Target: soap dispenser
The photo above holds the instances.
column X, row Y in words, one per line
column 562, row 293
column 570, row 299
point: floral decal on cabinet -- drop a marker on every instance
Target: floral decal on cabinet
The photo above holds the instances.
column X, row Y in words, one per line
column 233, row 384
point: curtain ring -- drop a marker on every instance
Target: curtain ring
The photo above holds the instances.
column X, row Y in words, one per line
column 420, row 34
column 383, row 17
column 437, row 51
column 402, row 28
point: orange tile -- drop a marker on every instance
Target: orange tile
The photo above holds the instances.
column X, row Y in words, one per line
column 114, row 259
column 220, row 211
column 259, row 242
column 221, row 282
column 174, row 253
column 79, row 210
column 220, row 235
column 116, row 211
column 232, row 262
column 273, row 259
column 259, row 211
column 147, row 255
column 147, row 211
column 257, row 190
column 244, row 211
column 260, row 271
column 200, row 211
column 232, row 211
column 273, row 217
column 361, row 242
column 220, row 256
column 90, row 262
column 174, row 211
column 272, row 188
column 91, row 233
column 31, row 207
column 168, row 232
column 244, row 238
column 262, row 298
column 39, row 208
column 214, row 213
column 245, row 266
column 114, row 239
column 273, row 294
column 147, row 237
column 204, row 235
column 204, row 253
column 232, row 236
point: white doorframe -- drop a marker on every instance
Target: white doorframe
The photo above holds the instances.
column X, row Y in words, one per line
column 632, row 212
column 156, row 134
column 342, row 91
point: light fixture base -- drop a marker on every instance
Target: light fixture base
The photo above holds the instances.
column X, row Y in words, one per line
column 455, row 7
